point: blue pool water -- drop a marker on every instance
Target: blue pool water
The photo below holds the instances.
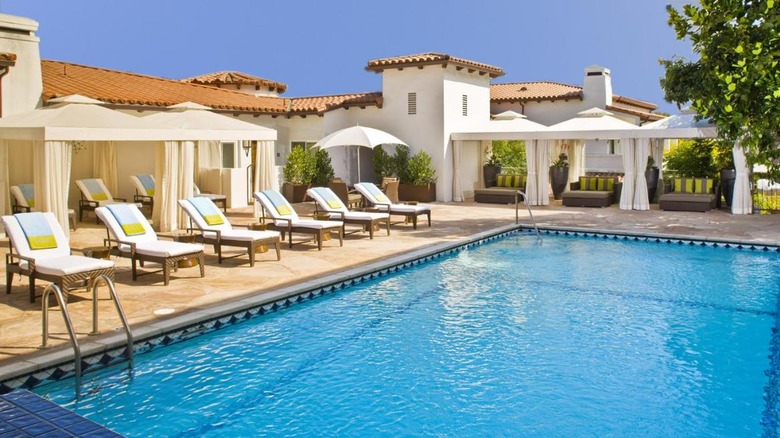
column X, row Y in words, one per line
column 573, row 337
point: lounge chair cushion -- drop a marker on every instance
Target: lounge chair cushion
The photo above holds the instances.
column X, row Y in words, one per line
column 95, row 189
column 249, row 235
column 164, row 248
column 70, row 264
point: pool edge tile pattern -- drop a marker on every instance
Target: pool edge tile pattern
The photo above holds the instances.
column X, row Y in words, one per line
column 167, row 332
column 23, row 413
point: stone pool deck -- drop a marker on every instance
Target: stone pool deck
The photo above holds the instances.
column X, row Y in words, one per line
column 147, row 302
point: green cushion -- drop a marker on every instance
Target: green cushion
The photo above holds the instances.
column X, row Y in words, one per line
column 702, row 185
column 512, row 181
column 601, row 184
column 683, row 185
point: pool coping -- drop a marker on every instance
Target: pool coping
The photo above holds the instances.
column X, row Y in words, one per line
column 111, row 349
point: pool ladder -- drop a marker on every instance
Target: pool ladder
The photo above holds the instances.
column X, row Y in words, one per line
column 518, row 195
column 53, row 288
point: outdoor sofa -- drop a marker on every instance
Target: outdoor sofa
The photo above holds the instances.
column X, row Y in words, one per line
column 592, row 191
column 503, row 192
column 689, row 194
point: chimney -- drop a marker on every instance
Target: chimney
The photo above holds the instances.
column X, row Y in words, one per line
column 22, row 83
column 597, row 87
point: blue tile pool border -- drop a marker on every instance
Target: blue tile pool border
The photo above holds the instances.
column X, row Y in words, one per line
column 116, row 354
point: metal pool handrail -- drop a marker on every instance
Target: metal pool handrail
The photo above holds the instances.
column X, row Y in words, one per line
column 69, row 325
column 519, row 194
column 71, row 333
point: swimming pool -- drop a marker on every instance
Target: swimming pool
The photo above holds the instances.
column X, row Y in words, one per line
column 576, row 336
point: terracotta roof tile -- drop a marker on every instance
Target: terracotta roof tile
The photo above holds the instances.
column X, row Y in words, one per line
column 321, row 104
column 422, row 59
column 236, row 78
column 528, row 91
column 633, row 102
column 117, row 87
column 643, row 115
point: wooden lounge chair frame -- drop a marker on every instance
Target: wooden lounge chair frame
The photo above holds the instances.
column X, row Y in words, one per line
column 217, row 238
column 124, row 247
column 14, row 265
column 290, row 226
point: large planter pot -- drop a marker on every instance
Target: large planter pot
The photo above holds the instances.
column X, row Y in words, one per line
column 419, row 193
column 651, row 177
column 727, row 178
column 294, row 192
column 490, row 174
column 559, row 178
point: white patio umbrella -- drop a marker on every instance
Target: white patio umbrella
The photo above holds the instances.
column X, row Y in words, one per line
column 360, row 136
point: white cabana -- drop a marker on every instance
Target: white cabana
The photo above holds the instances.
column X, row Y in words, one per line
column 51, row 130
column 598, row 124
column 684, row 126
column 175, row 163
column 510, row 125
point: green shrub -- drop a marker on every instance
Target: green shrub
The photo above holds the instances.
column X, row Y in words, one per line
column 384, row 163
column 323, row 169
column 300, row 167
column 401, row 163
column 419, row 170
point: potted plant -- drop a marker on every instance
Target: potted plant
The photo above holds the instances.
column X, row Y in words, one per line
column 723, row 160
column 491, row 169
column 323, row 169
column 420, row 182
column 298, row 173
column 384, row 164
column 559, row 175
column 651, row 176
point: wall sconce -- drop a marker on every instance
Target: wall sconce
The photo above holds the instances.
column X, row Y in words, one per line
column 246, row 146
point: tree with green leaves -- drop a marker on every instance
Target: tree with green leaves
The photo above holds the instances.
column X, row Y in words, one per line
column 511, row 155
column 735, row 83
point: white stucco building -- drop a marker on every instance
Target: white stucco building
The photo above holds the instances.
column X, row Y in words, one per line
column 424, row 98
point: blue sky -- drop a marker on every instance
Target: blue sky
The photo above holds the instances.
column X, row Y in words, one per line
column 322, row 47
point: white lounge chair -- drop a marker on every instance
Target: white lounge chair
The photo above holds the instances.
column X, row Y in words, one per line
column 328, row 201
column 217, row 231
column 286, row 220
column 129, row 230
column 144, row 189
column 375, row 197
column 43, row 251
column 24, row 202
column 94, row 194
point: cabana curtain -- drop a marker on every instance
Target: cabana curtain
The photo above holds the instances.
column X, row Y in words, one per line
column 5, row 201
column 174, row 175
column 641, row 151
column 537, row 157
column 51, row 177
column 741, row 203
column 627, row 196
column 457, row 192
column 265, row 170
column 104, row 164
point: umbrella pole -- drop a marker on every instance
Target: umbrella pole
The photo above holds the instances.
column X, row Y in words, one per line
column 358, row 161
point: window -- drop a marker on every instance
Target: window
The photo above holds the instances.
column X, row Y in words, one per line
column 228, row 154
column 465, row 105
column 614, row 147
column 412, row 103
column 306, row 145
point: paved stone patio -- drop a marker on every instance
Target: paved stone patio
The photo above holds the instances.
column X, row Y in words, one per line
column 147, row 301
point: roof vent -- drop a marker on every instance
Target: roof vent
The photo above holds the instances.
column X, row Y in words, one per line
column 523, row 88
